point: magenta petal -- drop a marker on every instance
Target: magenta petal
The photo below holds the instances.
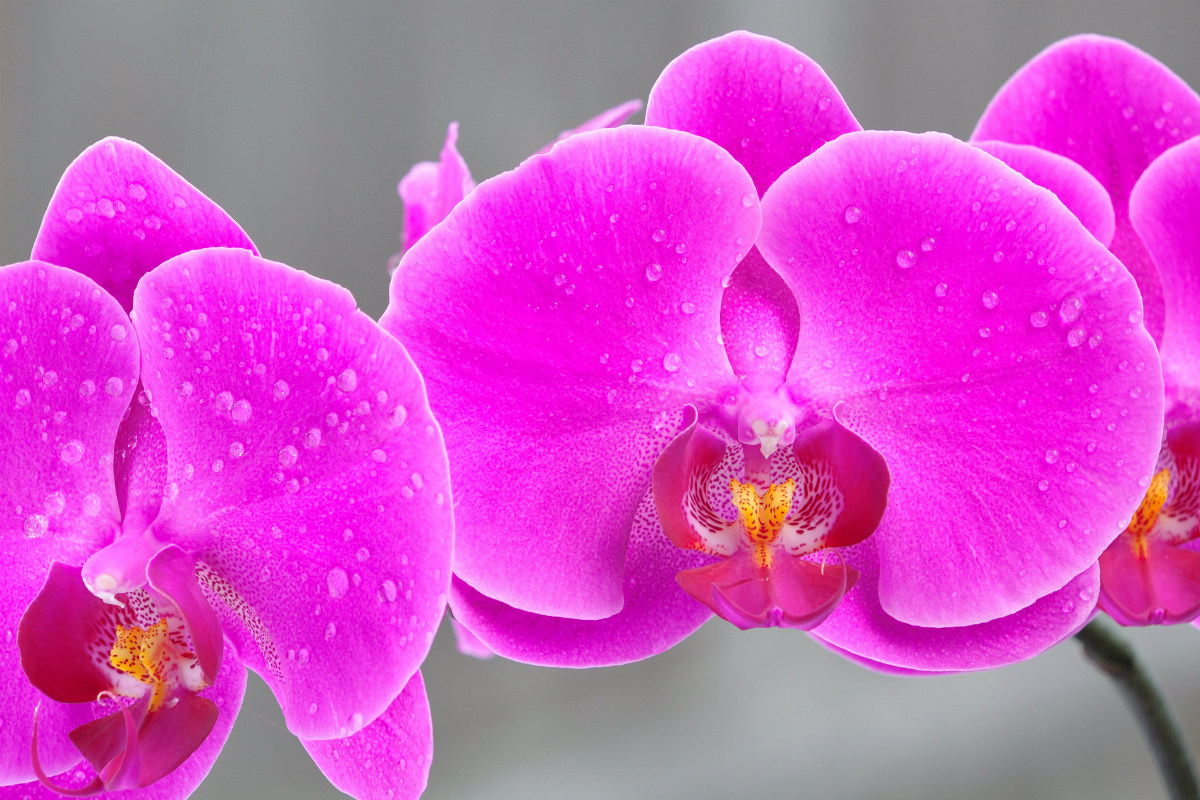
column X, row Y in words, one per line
column 1165, row 210
column 679, row 468
column 859, row 472
column 390, row 757
column 1017, row 408
column 431, row 189
column 559, row 314
column 767, row 103
column 140, row 466
column 1161, row 588
column 119, row 212
column 172, row 573
column 1108, row 106
column 226, row 693
column 657, row 613
column 617, row 115
column 760, row 322
column 305, row 472
column 1082, row 194
column 861, row 627
column 791, row 593
column 171, row 734
column 110, row 744
column 56, row 635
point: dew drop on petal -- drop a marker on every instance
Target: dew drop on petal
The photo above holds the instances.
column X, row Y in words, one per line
column 241, row 411
column 363, row 554
column 654, row 272
column 118, row 332
column 378, row 456
column 399, row 415
column 658, row 235
column 1039, row 319
column 281, row 390
column 288, row 455
column 91, row 505
column 905, row 259
column 1043, row 485
column 1051, row 456
column 989, row 299
column 312, row 438
column 330, row 631
column 114, row 386
column 1075, row 336
column 1070, row 309
column 87, row 388
column 852, row 214
column 927, row 244
column 35, row 526
column 236, row 449
column 941, row 289
column 348, row 380
column 71, row 452
column 337, row 582
column 387, row 591
column 671, row 362
column 23, row 398
column 687, row 308
column 748, row 199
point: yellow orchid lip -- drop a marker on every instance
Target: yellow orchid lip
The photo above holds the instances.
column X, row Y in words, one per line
column 149, row 655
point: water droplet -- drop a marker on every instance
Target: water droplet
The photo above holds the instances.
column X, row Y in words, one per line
column 653, row 273
column 337, row 582
column 902, row 165
column 990, row 299
column 1039, row 319
column 136, row 191
column 1127, row 112
column 417, row 480
column 330, row 631
column 71, row 452
column 1070, row 309
column 748, row 199
column 927, row 244
column 288, row 455
column 998, row 256
column 985, row 332
column 1068, row 607
column 312, row 708
column 91, row 505
column 1076, row 336
column 853, row 214
column 241, row 411
column 378, row 456
column 1043, row 485
column 941, row 289
column 658, row 235
column 218, row 465
column 823, row 103
column 192, row 334
column 399, row 415
column 1052, row 456
column 560, row 279
column 114, row 386
column 74, row 216
column 118, row 332
column 387, row 591
column 35, row 526
column 671, row 362
column 87, row 388
column 104, row 206
column 292, row 486
column 905, row 259
column 348, row 380
column 363, row 554
column 636, row 365
column 281, row 390
column 687, row 308
column 236, row 449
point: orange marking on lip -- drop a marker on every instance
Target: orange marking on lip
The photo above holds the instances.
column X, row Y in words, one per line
column 1147, row 513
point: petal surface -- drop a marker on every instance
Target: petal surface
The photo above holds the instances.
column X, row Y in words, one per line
column 390, row 757
column 119, row 212
column 966, row 326
column 657, row 614
column 1112, row 108
column 67, row 381
column 226, row 693
column 617, row 115
column 861, row 627
column 1085, row 196
column 766, row 103
column 760, row 322
column 305, row 472
column 1165, row 209
column 560, row 313
column 432, row 188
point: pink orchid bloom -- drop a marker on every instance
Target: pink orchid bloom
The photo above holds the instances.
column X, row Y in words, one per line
column 1121, row 115
column 634, row 356
column 213, row 462
column 431, row 189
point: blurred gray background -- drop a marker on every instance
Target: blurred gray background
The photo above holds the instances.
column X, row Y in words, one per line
column 300, row 117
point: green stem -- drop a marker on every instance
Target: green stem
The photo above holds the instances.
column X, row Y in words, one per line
column 1108, row 650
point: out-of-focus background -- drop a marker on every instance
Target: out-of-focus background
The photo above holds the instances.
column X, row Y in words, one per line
column 300, row 117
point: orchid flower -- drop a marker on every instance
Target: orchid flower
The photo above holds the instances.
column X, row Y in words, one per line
column 1121, row 115
column 212, row 462
column 860, row 405
column 431, row 189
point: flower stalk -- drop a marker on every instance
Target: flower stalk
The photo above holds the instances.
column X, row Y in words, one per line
column 1115, row 657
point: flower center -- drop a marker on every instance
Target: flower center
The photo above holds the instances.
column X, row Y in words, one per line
column 154, row 656
column 1147, row 513
column 762, row 515
column 766, row 418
